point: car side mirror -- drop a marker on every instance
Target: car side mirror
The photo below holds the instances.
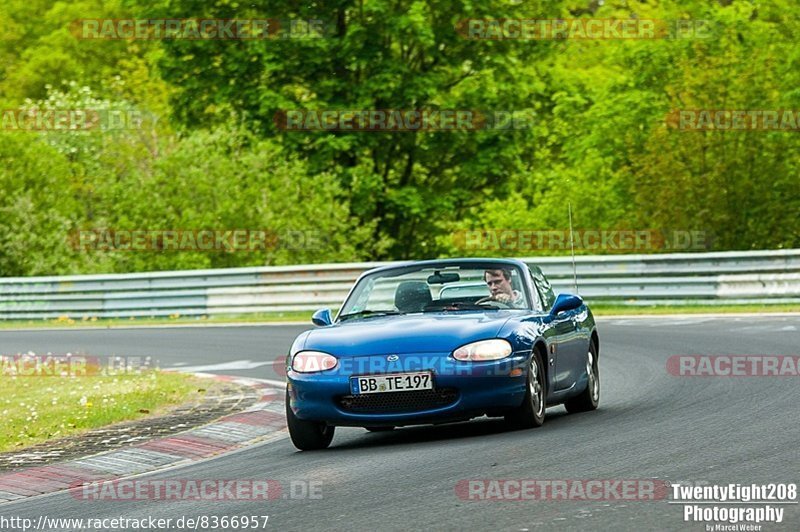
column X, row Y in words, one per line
column 322, row 317
column 565, row 302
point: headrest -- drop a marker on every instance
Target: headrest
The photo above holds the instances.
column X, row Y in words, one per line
column 412, row 296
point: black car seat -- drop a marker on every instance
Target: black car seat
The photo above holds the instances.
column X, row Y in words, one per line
column 412, row 296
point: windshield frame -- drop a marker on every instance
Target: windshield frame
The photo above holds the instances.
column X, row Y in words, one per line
column 471, row 264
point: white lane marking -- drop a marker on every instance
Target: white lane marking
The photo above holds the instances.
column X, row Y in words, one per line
column 244, row 380
column 271, row 382
column 279, row 384
column 250, row 380
column 689, row 319
column 224, row 366
column 672, row 322
column 764, row 329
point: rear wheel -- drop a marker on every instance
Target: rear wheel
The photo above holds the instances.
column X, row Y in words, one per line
column 307, row 435
column 531, row 413
column 590, row 397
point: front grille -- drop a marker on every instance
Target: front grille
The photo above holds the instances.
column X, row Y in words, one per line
column 394, row 402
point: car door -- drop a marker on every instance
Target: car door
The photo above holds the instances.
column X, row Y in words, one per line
column 566, row 353
column 570, row 362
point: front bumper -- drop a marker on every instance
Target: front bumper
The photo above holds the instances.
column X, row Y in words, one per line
column 462, row 390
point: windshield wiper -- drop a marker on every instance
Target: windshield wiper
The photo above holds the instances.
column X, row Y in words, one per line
column 369, row 313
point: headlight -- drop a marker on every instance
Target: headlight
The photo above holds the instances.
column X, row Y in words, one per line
column 483, row 350
column 311, row 361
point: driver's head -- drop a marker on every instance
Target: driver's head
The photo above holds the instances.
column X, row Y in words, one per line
column 499, row 281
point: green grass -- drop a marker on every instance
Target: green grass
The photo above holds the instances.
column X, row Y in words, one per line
column 599, row 309
column 36, row 408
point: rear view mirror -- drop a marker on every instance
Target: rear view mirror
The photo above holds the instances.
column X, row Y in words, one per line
column 322, row 317
column 443, row 278
column 565, row 302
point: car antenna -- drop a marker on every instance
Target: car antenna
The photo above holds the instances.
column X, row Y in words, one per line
column 572, row 247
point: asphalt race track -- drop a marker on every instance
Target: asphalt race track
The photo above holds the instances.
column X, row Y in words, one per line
column 650, row 425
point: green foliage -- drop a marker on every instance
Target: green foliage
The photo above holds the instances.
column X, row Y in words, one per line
column 209, row 156
column 378, row 55
column 35, row 208
column 604, row 145
column 56, row 183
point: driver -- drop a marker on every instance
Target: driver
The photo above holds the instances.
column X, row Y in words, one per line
column 499, row 282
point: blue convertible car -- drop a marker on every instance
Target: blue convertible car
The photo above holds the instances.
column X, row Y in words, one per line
column 441, row 341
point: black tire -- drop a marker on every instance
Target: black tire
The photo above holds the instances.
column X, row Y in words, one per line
column 590, row 397
column 307, row 435
column 379, row 429
column 530, row 414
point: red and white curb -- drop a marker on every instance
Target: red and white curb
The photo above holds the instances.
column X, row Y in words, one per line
column 263, row 421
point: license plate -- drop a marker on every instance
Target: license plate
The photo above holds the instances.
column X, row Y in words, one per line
column 399, row 382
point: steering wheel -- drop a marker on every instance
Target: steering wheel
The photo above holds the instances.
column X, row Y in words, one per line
column 489, row 299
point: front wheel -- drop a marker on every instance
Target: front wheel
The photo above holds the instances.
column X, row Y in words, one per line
column 531, row 413
column 590, row 397
column 307, row 435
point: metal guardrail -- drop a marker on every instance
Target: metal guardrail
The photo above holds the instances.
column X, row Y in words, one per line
column 680, row 278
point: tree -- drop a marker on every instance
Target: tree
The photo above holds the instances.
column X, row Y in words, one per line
column 376, row 55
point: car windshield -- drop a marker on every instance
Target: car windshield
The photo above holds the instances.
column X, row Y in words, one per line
column 442, row 288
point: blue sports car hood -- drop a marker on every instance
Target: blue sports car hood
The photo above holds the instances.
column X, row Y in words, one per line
column 414, row 333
